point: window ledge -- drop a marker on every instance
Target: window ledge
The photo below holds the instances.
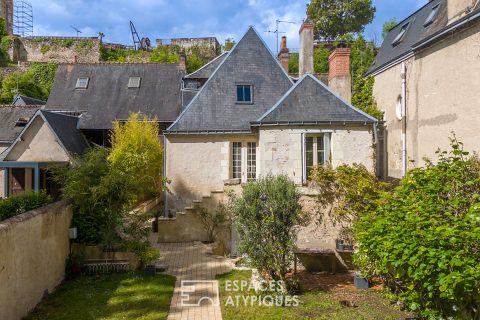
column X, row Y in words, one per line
column 243, row 103
column 232, row 182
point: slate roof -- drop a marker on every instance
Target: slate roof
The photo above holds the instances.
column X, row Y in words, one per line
column 310, row 102
column 416, row 32
column 214, row 108
column 66, row 130
column 108, row 97
column 207, row 70
column 20, row 100
column 9, row 115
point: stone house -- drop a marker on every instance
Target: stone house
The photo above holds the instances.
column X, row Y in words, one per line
column 427, row 75
column 250, row 118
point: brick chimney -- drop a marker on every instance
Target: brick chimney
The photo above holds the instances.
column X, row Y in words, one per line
column 305, row 63
column 458, row 9
column 339, row 78
column 284, row 54
column 182, row 63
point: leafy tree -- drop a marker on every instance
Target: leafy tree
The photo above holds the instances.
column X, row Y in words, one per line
column 164, row 54
column 138, row 153
column 229, row 43
column 293, row 66
column 266, row 215
column 100, row 196
column 388, row 26
column 6, row 42
column 35, row 82
column 334, row 18
column 19, row 204
column 423, row 238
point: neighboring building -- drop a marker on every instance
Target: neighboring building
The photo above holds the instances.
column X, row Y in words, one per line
column 106, row 92
column 47, row 138
column 19, row 100
column 427, row 80
column 250, row 119
column 13, row 120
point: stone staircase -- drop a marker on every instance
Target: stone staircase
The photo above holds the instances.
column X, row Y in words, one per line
column 209, row 202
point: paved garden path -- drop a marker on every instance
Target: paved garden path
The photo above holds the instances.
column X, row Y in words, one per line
column 192, row 265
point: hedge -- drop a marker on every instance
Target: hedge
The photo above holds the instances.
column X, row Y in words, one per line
column 16, row 205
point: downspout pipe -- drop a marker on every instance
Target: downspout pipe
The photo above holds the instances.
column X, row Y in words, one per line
column 165, row 204
column 404, row 118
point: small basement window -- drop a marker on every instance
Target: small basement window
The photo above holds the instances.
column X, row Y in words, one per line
column 134, row 82
column 399, row 38
column 431, row 17
column 244, row 93
column 82, row 83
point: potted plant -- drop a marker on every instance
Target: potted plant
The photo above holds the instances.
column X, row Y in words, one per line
column 360, row 281
column 147, row 259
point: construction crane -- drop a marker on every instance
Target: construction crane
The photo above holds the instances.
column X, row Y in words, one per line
column 139, row 44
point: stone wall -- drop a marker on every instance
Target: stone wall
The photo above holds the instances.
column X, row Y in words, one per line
column 34, row 247
column 55, row 49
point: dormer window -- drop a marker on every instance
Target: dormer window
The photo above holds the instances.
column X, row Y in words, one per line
column 244, row 93
column 399, row 38
column 134, row 82
column 82, row 83
column 431, row 17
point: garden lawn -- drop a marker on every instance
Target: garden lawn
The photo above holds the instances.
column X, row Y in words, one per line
column 315, row 304
column 108, row 297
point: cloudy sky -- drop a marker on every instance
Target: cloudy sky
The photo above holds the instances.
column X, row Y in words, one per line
column 167, row 19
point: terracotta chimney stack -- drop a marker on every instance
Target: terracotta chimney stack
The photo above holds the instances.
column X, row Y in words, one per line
column 305, row 63
column 339, row 78
column 284, row 54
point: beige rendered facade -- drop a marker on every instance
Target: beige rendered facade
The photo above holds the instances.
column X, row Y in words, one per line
column 197, row 165
column 442, row 96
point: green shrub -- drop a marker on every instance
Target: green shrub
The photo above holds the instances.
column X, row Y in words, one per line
column 424, row 237
column 16, row 205
column 266, row 215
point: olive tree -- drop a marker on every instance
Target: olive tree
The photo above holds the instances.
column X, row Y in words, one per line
column 266, row 216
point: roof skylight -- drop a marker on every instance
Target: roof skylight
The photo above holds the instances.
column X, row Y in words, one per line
column 431, row 17
column 401, row 34
column 82, row 83
column 134, row 82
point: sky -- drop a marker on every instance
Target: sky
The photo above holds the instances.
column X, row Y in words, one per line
column 166, row 19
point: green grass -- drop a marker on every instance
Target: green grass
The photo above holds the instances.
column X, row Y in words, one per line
column 108, row 297
column 313, row 305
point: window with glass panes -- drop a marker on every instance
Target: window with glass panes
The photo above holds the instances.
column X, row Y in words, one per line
column 244, row 94
column 236, row 160
column 315, row 152
column 251, row 161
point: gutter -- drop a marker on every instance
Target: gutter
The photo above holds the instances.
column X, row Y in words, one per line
column 449, row 30
column 208, row 132
column 286, row 123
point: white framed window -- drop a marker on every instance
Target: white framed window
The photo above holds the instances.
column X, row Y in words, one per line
column 244, row 161
column 134, row 82
column 82, row 83
column 316, row 152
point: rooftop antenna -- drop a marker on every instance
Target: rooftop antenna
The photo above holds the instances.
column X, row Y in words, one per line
column 277, row 22
column 135, row 37
column 78, row 31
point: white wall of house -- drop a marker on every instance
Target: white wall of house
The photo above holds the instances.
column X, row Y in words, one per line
column 443, row 95
column 38, row 144
column 282, row 152
column 198, row 165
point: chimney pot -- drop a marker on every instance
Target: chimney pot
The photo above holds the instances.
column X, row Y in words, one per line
column 305, row 64
column 182, row 63
column 284, row 54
